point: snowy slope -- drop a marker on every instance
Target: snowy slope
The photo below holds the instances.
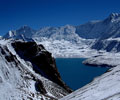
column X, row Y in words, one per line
column 103, row 28
column 109, row 44
column 109, row 41
column 104, row 87
column 19, row 80
column 66, row 49
column 104, row 60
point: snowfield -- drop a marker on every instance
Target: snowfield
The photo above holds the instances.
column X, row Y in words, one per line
column 105, row 60
column 66, row 49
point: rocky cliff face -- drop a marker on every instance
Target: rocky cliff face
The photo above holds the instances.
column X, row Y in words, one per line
column 28, row 72
column 42, row 61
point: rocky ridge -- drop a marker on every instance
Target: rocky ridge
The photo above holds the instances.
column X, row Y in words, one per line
column 28, row 72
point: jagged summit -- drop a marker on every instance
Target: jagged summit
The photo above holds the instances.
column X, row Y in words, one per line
column 24, row 31
column 114, row 17
column 90, row 30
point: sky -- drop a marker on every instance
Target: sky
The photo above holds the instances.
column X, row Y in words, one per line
column 41, row 13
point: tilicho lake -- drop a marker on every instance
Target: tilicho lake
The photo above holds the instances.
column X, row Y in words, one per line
column 75, row 74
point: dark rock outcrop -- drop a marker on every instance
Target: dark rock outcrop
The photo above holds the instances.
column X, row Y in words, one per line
column 42, row 61
column 40, row 87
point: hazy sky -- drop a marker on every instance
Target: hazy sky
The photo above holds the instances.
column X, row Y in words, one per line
column 40, row 13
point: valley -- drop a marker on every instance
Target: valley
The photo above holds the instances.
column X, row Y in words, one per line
column 96, row 41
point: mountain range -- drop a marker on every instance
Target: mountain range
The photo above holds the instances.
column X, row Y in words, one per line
column 99, row 35
column 28, row 71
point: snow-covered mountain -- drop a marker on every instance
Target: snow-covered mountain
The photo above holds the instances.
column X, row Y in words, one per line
column 24, row 72
column 109, row 41
column 102, row 28
column 59, row 39
column 24, row 31
column 106, row 33
column 54, row 33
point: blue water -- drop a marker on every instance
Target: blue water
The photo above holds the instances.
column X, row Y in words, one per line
column 75, row 74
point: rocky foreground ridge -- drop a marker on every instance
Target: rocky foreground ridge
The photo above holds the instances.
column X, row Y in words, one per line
column 28, row 72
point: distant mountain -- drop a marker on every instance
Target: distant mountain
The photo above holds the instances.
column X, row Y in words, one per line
column 24, row 31
column 55, row 39
column 109, row 41
column 91, row 30
column 55, row 33
column 58, row 33
column 104, row 28
column 106, row 33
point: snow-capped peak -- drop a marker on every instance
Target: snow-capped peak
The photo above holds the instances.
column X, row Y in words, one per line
column 11, row 34
column 115, row 14
column 0, row 37
column 114, row 17
column 25, row 31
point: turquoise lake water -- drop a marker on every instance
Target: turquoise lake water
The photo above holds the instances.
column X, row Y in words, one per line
column 75, row 74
